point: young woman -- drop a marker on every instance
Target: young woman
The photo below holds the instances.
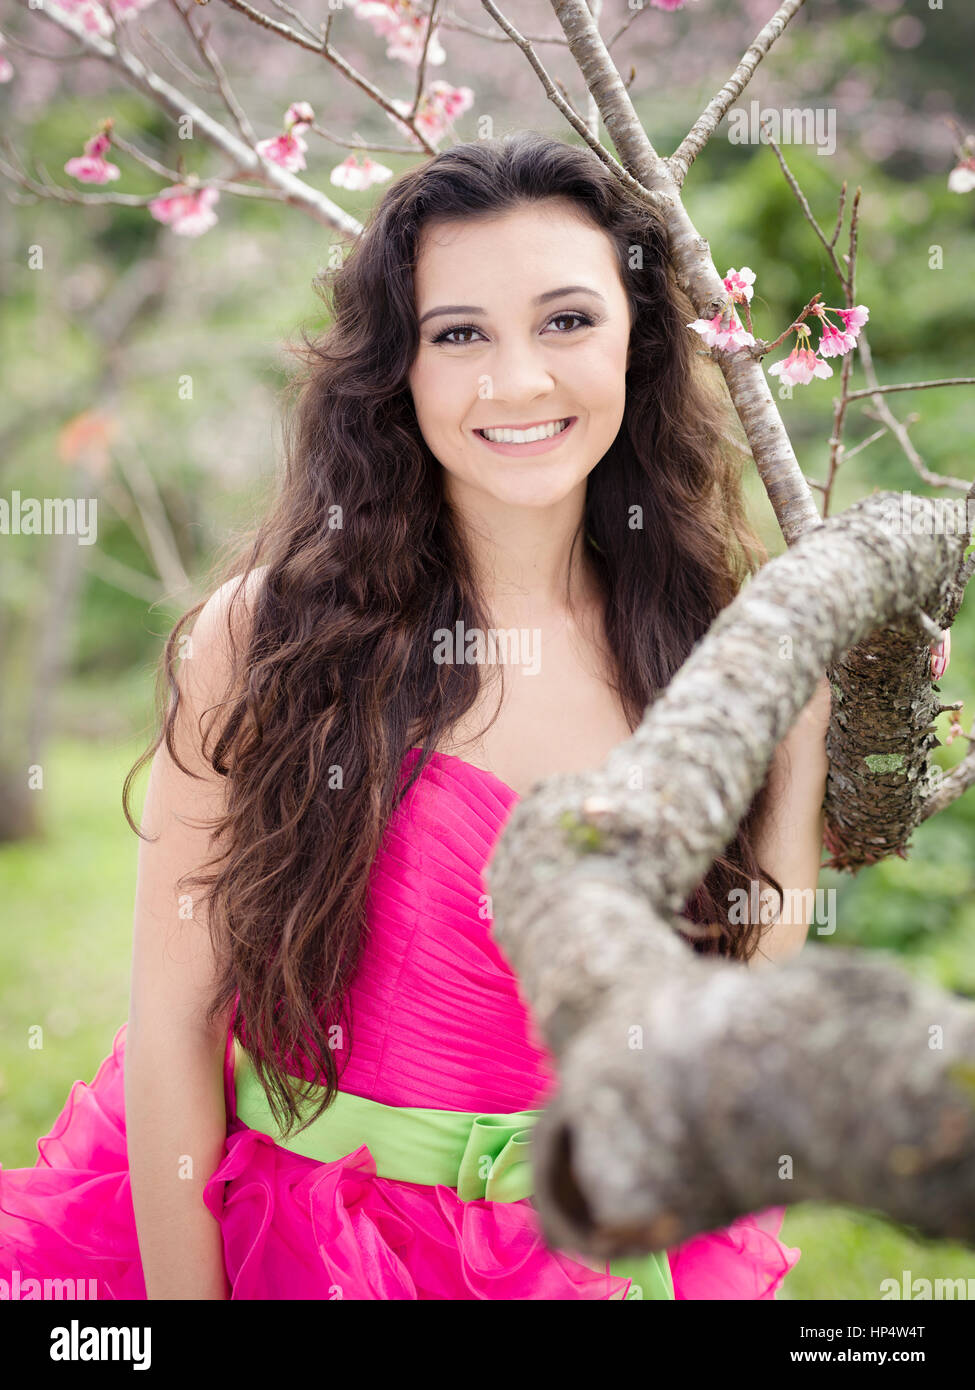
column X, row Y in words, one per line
column 507, row 427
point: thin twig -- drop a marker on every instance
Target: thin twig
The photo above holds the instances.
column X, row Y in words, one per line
column 761, row 347
column 357, row 143
column 212, row 59
column 803, row 202
column 706, row 124
column 872, row 439
column 449, row 20
column 323, row 49
column 638, row 10
column 836, row 450
column 42, row 53
column 421, row 69
column 47, row 189
column 118, row 143
column 836, row 447
column 884, row 414
column 176, row 62
column 839, row 214
column 846, row 277
column 568, row 112
column 121, row 576
column 961, row 777
column 179, row 105
column 912, row 386
column 299, row 19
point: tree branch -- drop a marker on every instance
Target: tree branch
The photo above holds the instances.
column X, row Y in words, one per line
column 846, row 276
column 644, row 1144
column 696, row 274
column 209, row 55
column 177, row 105
column 324, row 50
column 712, row 115
column 913, row 386
column 569, row 112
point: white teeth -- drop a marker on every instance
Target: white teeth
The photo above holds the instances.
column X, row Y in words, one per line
column 526, row 436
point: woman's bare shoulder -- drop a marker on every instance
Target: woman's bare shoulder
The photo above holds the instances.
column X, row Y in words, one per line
column 228, row 610
column 217, row 642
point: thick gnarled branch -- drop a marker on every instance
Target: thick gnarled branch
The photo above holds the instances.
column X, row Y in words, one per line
column 685, row 1082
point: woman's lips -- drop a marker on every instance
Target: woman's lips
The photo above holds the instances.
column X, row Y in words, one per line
column 538, row 446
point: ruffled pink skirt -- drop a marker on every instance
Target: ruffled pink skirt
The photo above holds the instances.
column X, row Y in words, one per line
column 296, row 1228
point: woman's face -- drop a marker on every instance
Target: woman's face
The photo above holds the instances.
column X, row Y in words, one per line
column 503, row 343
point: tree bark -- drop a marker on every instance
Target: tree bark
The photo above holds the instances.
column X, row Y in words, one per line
column 687, row 1084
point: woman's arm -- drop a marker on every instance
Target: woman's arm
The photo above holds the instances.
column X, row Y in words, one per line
column 789, row 837
column 176, row 1118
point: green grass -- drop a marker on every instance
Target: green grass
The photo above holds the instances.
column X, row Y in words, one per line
column 65, row 958
column 66, row 946
column 846, row 1254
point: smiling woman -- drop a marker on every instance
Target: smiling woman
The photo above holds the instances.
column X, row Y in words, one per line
column 342, row 953
column 527, row 373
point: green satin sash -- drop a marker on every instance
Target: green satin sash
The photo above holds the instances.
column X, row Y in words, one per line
column 484, row 1157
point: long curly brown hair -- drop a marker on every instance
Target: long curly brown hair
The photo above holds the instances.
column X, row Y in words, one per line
column 335, row 681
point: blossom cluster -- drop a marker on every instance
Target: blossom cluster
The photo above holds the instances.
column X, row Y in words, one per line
column 726, row 331
column 411, row 36
column 187, row 208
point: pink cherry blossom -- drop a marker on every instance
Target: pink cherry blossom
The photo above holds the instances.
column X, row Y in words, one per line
column 298, row 116
column 186, row 211
column 668, row 5
column 6, row 68
column 92, row 167
column 439, row 106
column 352, row 175
column 732, row 335
column 407, row 45
column 834, row 342
column 853, row 319
column 739, row 283
column 87, row 170
column 93, row 16
column 126, row 8
column 799, row 368
column 940, row 655
column 384, row 18
column 962, row 177
column 287, row 150
column 453, row 101
column 404, row 27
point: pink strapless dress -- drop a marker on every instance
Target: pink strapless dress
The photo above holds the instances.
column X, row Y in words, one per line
column 437, row 1021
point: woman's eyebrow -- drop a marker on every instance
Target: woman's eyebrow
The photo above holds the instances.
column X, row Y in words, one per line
column 539, row 299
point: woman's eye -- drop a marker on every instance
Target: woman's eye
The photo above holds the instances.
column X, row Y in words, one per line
column 571, row 314
column 446, row 334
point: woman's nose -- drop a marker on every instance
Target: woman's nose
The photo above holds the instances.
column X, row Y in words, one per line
column 519, row 372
